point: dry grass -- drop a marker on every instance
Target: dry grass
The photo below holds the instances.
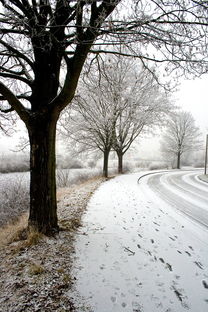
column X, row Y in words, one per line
column 33, row 238
column 36, row 269
column 17, row 230
column 13, row 232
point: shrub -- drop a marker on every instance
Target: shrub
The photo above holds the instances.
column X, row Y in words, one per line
column 68, row 177
column 14, row 198
column 92, row 163
column 127, row 167
column 14, row 163
column 143, row 164
column 62, row 177
column 158, row 165
column 198, row 164
column 68, row 162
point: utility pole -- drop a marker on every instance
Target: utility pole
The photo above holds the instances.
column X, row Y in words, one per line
column 205, row 167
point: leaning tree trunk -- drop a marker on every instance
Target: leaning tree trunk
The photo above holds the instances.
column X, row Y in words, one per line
column 178, row 160
column 43, row 206
column 120, row 162
column 105, row 163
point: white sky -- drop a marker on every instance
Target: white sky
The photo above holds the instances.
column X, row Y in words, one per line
column 192, row 96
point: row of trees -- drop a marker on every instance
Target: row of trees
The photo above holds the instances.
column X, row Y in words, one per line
column 44, row 45
column 115, row 105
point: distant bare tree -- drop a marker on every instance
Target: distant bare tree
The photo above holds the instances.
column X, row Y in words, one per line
column 181, row 136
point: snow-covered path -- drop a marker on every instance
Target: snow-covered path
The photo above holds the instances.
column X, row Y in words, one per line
column 136, row 253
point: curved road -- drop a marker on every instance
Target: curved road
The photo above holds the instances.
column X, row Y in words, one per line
column 184, row 191
column 134, row 252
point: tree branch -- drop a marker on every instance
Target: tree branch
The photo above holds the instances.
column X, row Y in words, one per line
column 8, row 110
column 14, row 102
column 17, row 53
column 16, row 77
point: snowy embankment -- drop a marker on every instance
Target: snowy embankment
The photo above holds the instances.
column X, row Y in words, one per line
column 139, row 253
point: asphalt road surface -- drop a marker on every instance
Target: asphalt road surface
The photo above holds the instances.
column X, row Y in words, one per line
column 184, row 191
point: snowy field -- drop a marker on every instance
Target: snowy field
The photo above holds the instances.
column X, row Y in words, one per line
column 137, row 252
column 14, row 189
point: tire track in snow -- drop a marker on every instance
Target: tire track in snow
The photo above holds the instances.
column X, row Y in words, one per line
column 180, row 198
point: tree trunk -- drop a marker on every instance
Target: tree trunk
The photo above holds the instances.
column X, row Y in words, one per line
column 120, row 162
column 105, row 163
column 178, row 160
column 43, row 206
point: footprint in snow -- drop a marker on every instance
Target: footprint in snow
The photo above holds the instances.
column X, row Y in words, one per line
column 188, row 253
column 178, row 294
column 113, row 299
column 199, row 265
column 102, row 266
column 205, row 284
column 169, row 266
column 172, row 238
column 156, row 223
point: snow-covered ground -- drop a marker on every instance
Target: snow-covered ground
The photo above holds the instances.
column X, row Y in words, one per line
column 67, row 176
column 136, row 252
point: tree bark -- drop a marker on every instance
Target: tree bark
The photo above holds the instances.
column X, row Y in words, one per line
column 120, row 162
column 178, row 160
column 43, row 206
column 105, row 163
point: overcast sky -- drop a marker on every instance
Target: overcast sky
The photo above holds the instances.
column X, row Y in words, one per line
column 192, row 96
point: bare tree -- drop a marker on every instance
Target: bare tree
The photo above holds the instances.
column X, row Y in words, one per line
column 116, row 103
column 90, row 123
column 144, row 106
column 181, row 136
column 38, row 38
